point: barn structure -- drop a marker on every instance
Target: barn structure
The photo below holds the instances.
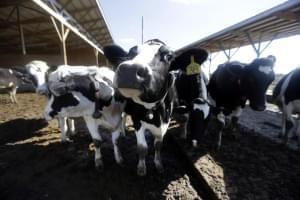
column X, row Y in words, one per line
column 278, row 22
column 57, row 31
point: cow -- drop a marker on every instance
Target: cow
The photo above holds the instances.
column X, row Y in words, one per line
column 38, row 71
column 144, row 78
column 78, row 100
column 9, row 83
column 233, row 83
column 286, row 96
column 192, row 106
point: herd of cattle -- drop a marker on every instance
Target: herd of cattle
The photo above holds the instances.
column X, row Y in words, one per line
column 152, row 85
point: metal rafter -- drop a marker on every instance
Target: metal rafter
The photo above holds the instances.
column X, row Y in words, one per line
column 67, row 20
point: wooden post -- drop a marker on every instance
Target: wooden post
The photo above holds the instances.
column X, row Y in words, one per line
column 62, row 33
column 97, row 56
column 21, row 32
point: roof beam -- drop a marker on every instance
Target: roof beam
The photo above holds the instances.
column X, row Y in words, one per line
column 78, row 10
column 66, row 23
column 7, row 3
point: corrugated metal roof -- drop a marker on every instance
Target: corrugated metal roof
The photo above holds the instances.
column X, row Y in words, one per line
column 39, row 33
column 278, row 22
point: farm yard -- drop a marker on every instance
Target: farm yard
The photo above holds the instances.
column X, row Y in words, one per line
column 206, row 93
column 35, row 165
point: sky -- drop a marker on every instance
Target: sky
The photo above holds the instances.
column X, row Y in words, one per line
column 181, row 22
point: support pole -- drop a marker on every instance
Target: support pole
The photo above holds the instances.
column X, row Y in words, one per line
column 62, row 33
column 256, row 49
column 227, row 54
column 97, row 56
column 21, row 32
column 210, row 59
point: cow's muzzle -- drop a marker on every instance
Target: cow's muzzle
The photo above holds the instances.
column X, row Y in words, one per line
column 132, row 76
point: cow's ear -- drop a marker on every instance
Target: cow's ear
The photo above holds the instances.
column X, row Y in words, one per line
column 272, row 59
column 115, row 54
column 184, row 59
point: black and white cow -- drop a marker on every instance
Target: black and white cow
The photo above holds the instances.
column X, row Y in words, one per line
column 79, row 101
column 9, row 83
column 286, row 95
column 193, row 108
column 143, row 76
column 38, row 73
column 233, row 83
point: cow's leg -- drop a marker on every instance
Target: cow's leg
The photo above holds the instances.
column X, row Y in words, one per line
column 296, row 129
column 234, row 120
column 159, row 133
column 220, row 127
column 289, row 127
column 71, row 127
column 283, row 126
column 11, row 97
column 184, row 122
column 157, row 158
column 142, row 148
column 197, row 121
column 92, row 126
column 115, row 141
column 63, row 128
column 12, row 94
column 123, row 124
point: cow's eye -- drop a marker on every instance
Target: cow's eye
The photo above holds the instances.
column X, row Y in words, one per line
column 169, row 57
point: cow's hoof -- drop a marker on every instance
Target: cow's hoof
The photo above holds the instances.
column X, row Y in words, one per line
column 70, row 133
column 99, row 164
column 194, row 143
column 119, row 160
column 65, row 141
column 141, row 171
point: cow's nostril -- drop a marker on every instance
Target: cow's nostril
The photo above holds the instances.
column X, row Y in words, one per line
column 141, row 73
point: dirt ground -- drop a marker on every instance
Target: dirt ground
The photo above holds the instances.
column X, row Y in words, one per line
column 35, row 165
column 254, row 165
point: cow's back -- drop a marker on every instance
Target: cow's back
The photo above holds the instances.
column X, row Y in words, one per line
column 288, row 86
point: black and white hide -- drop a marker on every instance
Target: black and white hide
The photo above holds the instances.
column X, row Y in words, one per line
column 286, row 95
column 78, row 100
column 192, row 107
column 144, row 78
column 38, row 73
column 233, row 83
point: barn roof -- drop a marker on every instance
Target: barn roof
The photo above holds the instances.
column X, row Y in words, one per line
column 278, row 22
column 84, row 18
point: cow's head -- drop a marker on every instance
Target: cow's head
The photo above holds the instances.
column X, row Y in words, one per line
column 257, row 77
column 38, row 72
column 143, row 74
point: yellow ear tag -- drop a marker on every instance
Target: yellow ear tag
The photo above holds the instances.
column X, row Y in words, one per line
column 193, row 67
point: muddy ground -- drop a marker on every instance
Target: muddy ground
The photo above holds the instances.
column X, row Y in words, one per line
column 35, row 165
column 254, row 164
